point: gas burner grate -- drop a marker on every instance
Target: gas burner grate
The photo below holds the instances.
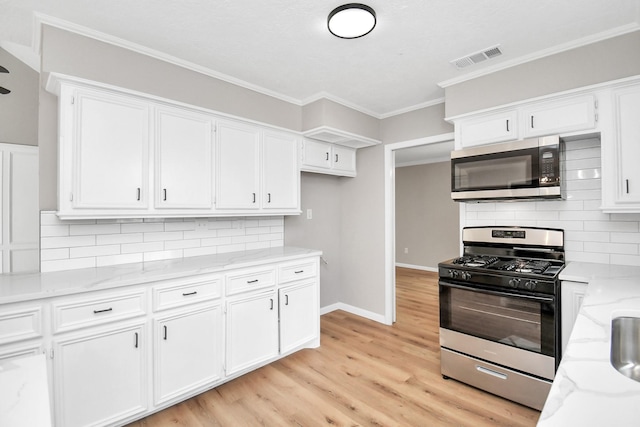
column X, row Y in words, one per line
column 475, row 260
column 526, row 266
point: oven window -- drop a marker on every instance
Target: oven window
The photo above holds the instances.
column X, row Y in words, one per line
column 493, row 172
column 511, row 320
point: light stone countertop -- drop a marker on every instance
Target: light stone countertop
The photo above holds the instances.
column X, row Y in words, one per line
column 24, row 392
column 25, row 287
column 587, row 390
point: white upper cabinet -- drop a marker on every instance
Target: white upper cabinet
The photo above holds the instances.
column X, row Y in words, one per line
column 124, row 154
column 184, row 159
column 568, row 115
column 621, row 174
column 238, row 166
column 490, row 128
column 327, row 158
column 281, row 171
column 105, row 144
column 257, row 170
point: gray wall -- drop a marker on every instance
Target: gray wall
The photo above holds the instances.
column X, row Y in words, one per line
column 321, row 194
column 604, row 61
column 427, row 220
column 329, row 113
column 19, row 109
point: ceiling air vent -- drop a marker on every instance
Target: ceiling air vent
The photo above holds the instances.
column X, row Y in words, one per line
column 474, row 58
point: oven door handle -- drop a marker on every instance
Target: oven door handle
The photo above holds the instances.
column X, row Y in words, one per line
column 498, row 293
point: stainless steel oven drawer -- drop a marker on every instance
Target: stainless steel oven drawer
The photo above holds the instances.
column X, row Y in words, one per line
column 512, row 385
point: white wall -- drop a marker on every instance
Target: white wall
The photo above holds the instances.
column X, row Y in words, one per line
column 590, row 235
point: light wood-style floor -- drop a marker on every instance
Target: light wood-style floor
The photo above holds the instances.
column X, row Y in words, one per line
column 363, row 374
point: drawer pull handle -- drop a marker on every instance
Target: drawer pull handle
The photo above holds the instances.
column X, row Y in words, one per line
column 252, row 281
column 186, row 294
column 103, row 311
column 491, row 372
column 136, row 343
column 165, row 332
column 299, row 271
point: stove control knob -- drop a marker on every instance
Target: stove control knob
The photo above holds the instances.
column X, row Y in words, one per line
column 531, row 284
column 514, row 282
column 453, row 273
column 466, row 275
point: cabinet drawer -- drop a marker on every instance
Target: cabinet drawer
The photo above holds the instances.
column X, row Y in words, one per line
column 79, row 313
column 296, row 271
column 20, row 324
column 248, row 280
column 178, row 293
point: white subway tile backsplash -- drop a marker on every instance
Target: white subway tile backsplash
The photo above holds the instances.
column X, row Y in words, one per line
column 67, row 245
column 93, row 229
column 66, row 242
column 94, row 251
column 590, row 235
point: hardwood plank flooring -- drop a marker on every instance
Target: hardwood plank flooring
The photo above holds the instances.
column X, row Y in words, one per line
column 363, row 374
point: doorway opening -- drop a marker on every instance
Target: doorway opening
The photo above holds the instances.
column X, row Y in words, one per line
column 435, row 149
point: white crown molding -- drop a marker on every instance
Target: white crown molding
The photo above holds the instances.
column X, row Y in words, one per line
column 412, row 108
column 24, row 53
column 615, row 32
column 325, row 95
column 41, row 19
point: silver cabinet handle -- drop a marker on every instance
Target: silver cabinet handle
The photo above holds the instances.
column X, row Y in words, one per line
column 165, row 332
column 136, row 341
column 164, row 191
column 627, row 182
column 286, row 300
column 103, row 311
column 186, row 294
column 507, row 125
column 271, row 299
column 138, row 193
column 532, row 122
column 254, row 197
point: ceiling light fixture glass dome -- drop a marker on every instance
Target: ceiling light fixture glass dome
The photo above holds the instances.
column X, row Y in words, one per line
column 351, row 21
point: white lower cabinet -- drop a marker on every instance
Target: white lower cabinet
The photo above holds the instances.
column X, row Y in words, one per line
column 118, row 355
column 100, row 375
column 299, row 317
column 252, row 331
column 571, row 294
column 187, row 351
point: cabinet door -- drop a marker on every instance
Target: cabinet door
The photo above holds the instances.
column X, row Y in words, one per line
column 184, row 159
column 299, row 315
column 280, row 172
column 252, row 331
column 488, row 129
column 188, row 352
column 627, row 134
column 110, row 152
column 343, row 159
column 572, row 294
column 237, row 166
column 99, row 378
column 560, row 116
column 316, row 154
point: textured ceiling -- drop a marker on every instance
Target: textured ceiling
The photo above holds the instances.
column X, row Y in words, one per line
column 283, row 47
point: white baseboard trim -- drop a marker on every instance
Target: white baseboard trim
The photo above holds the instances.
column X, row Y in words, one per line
column 417, row 267
column 353, row 310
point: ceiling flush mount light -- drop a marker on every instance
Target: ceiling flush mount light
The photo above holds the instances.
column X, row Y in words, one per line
column 351, row 21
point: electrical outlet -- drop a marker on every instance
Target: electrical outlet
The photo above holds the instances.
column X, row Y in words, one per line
column 202, row 224
column 309, row 214
column 406, row 250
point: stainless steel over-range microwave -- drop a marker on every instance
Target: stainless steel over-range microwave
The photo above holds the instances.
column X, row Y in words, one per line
column 525, row 169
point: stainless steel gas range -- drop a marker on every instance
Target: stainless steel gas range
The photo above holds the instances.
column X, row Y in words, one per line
column 500, row 311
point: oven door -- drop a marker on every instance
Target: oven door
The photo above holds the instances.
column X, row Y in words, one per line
column 504, row 327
